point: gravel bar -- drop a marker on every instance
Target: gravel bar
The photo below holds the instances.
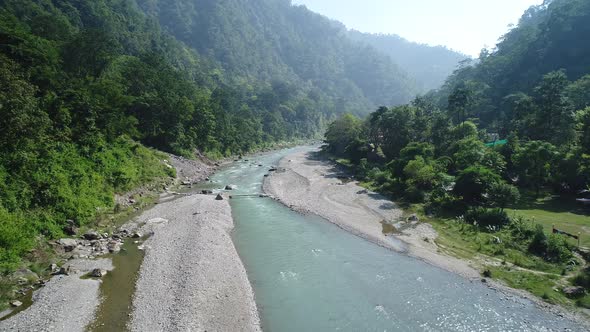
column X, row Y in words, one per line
column 192, row 278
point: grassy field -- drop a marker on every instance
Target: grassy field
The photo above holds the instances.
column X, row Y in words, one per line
column 508, row 260
column 563, row 212
column 505, row 260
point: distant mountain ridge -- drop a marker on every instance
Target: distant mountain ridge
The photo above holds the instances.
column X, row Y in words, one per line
column 266, row 40
column 428, row 65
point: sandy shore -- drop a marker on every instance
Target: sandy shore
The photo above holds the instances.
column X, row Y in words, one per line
column 65, row 303
column 192, row 278
column 310, row 185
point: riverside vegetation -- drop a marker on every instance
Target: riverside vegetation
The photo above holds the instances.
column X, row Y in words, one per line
column 92, row 90
column 491, row 200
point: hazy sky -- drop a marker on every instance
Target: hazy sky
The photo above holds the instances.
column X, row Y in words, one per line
column 463, row 25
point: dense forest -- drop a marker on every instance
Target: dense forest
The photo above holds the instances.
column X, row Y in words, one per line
column 429, row 66
column 93, row 90
column 515, row 123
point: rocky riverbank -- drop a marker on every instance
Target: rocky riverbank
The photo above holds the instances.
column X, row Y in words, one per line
column 69, row 299
column 65, row 303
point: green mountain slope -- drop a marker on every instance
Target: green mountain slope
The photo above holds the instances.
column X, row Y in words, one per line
column 270, row 39
column 428, row 65
column 549, row 37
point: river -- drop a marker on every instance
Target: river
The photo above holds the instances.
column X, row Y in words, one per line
column 309, row 275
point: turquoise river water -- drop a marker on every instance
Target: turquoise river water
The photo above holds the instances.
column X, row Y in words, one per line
column 309, row 275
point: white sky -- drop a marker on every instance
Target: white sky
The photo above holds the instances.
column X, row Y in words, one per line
column 462, row 25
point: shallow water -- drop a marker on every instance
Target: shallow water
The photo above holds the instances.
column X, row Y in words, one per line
column 117, row 290
column 309, row 275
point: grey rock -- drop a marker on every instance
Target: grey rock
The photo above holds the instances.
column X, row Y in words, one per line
column 413, row 218
column 92, row 235
column 16, row 303
column 114, row 246
column 53, row 268
column 137, row 235
column 71, row 230
column 219, row 197
column 68, row 244
column 65, row 270
column 98, row 273
column 23, row 276
column 230, row 187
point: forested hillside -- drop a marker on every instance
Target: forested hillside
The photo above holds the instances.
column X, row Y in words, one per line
column 512, row 127
column 501, row 86
column 272, row 40
column 91, row 89
column 430, row 66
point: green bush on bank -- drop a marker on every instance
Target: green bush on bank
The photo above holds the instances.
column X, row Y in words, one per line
column 69, row 182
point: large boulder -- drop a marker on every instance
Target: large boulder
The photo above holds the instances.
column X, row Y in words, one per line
column 71, row 229
column 219, row 197
column 24, row 276
column 98, row 273
column 65, row 270
column 92, row 235
column 16, row 303
column 574, row 291
column 230, row 187
column 114, row 247
column 68, row 244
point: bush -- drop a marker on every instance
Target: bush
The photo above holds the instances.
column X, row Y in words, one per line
column 522, row 229
column 538, row 245
column 474, row 183
column 552, row 248
column 15, row 239
column 440, row 200
column 582, row 279
column 558, row 250
column 487, row 217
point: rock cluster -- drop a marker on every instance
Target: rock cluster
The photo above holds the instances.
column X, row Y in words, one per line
column 92, row 244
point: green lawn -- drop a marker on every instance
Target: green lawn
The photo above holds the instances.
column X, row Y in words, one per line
column 565, row 213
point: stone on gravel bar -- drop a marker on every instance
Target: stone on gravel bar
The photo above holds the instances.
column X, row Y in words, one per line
column 98, row 273
column 92, row 235
column 16, row 303
column 68, row 244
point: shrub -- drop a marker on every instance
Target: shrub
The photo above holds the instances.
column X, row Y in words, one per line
column 522, row 229
column 487, row 217
column 441, row 200
column 474, row 183
column 558, row 250
column 15, row 239
column 538, row 245
column 582, row 279
column 552, row 248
